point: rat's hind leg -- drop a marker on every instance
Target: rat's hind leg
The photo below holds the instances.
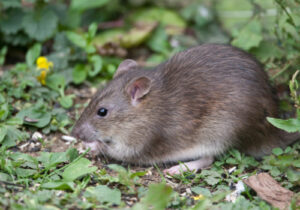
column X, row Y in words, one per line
column 192, row 165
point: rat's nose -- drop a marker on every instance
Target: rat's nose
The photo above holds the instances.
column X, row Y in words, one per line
column 77, row 132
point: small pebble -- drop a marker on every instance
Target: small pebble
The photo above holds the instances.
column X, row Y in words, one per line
column 36, row 136
column 231, row 169
column 68, row 138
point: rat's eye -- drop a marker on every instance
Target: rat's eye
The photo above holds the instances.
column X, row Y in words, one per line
column 102, row 112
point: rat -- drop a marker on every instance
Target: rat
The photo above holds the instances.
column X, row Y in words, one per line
column 193, row 107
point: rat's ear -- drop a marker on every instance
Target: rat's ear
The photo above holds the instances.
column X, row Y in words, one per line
column 125, row 66
column 138, row 88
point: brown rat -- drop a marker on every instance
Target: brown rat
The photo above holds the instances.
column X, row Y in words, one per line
column 198, row 104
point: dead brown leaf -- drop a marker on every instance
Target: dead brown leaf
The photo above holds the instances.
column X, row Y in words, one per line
column 269, row 190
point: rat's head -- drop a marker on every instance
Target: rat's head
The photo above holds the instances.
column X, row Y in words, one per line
column 115, row 122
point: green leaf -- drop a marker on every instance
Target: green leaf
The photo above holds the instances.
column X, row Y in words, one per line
column 292, row 175
column 117, row 168
column 277, row 151
column 84, row 5
column 76, row 39
column 290, row 125
column 66, row 101
column 59, row 185
column 14, row 121
column 104, row 194
column 96, row 60
column 158, row 196
column 32, row 54
column 250, row 36
column 201, row 191
column 41, row 24
column 13, row 135
column 56, row 82
column 92, row 30
column 3, row 111
column 296, row 163
column 79, row 73
column 232, row 161
column 49, row 160
column 236, row 154
column 11, row 4
column 211, row 177
column 159, row 41
column 11, row 22
column 78, row 169
column 2, row 99
column 3, row 132
column 22, row 172
column 166, row 17
column 38, row 113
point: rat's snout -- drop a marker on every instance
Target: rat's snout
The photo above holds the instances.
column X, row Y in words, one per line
column 76, row 132
column 80, row 131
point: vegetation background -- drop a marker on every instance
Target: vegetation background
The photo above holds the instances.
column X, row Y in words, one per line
column 53, row 55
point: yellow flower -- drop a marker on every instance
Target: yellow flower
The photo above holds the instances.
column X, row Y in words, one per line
column 198, row 197
column 43, row 63
column 44, row 66
column 42, row 77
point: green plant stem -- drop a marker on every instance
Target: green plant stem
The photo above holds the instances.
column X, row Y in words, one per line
column 285, row 11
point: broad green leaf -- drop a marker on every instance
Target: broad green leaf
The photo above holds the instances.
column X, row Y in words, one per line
column 117, row 168
column 56, row 82
column 4, row 177
column 112, row 35
column 12, row 136
column 92, row 30
column 201, row 191
column 41, row 24
column 49, row 160
column 76, row 39
column 236, row 154
column 267, row 50
column 59, row 185
column 164, row 16
column 293, row 176
column 290, row 125
column 2, row 99
column 32, row 54
column 3, row 111
column 158, row 196
column 296, row 163
column 66, row 101
column 250, row 36
column 38, row 113
column 136, row 36
column 104, row 194
column 11, row 4
column 3, row 132
column 78, row 169
column 14, row 121
column 96, row 60
column 159, row 41
column 84, row 5
column 22, row 172
column 277, row 151
column 11, row 22
column 79, row 73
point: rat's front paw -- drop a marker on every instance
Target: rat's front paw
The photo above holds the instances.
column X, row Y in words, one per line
column 190, row 166
column 178, row 169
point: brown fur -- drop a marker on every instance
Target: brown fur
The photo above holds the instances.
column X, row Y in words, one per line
column 215, row 96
